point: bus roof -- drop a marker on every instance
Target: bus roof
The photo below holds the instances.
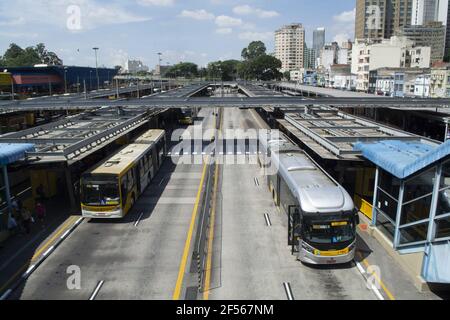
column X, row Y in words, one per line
column 150, row 136
column 121, row 160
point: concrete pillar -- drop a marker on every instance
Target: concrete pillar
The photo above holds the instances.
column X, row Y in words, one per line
column 7, row 191
column 70, row 189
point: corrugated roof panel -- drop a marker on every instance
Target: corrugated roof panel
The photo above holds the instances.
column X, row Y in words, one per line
column 11, row 152
column 402, row 158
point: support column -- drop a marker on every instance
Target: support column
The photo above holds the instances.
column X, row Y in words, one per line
column 399, row 212
column 375, row 194
column 7, row 191
column 70, row 190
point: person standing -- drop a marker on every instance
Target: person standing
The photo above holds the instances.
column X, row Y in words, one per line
column 41, row 212
column 26, row 219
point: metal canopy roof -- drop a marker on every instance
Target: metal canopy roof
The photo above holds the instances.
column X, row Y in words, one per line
column 75, row 137
column 331, row 132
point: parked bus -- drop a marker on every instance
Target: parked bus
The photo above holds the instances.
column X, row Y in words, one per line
column 321, row 215
column 188, row 115
column 110, row 189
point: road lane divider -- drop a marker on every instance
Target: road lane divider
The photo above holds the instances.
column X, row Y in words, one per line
column 207, row 286
column 39, row 258
column 187, row 245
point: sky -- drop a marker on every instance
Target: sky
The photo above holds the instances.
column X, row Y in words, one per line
column 198, row 31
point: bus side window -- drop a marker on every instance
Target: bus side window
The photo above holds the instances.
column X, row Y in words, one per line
column 123, row 190
column 130, row 179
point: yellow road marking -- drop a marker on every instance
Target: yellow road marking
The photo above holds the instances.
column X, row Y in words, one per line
column 210, row 239
column 187, row 245
column 47, row 244
column 383, row 286
column 37, row 253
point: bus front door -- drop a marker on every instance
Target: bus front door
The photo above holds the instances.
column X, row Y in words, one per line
column 294, row 228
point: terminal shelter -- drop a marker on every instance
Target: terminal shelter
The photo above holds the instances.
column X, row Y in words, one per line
column 9, row 153
column 411, row 203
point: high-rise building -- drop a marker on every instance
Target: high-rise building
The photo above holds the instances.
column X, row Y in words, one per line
column 379, row 19
column 431, row 34
column 318, row 40
column 424, row 11
column 310, row 58
column 289, row 46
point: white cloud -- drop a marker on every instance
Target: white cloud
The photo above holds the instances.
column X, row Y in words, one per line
column 158, row 3
column 341, row 38
column 345, row 17
column 92, row 14
column 344, row 26
column 251, row 36
column 227, row 21
column 13, row 22
column 224, row 30
column 197, row 14
column 248, row 10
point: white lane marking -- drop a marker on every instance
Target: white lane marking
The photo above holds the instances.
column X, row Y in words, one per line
column 97, row 289
column 139, row 219
column 266, row 216
column 48, row 251
column 256, row 181
column 373, row 287
column 287, row 289
column 4, row 265
column 6, row 294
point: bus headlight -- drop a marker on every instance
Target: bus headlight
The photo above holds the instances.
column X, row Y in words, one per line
column 307, row 247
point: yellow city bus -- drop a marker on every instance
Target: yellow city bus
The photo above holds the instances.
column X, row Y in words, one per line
column 110, row 189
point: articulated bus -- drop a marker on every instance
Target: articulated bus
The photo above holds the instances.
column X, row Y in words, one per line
column 321, row 215
column 111, row 188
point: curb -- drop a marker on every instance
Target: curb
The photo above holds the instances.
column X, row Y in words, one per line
column 41, row 259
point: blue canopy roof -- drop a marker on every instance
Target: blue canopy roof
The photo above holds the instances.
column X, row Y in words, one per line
column 11, row 152
column 401, row 158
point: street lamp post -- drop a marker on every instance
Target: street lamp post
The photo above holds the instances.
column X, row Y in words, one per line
column 96, row 67
column 160, row 71
column 65, row 80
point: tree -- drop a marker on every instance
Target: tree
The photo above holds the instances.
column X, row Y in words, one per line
column 225, row 70
column 254, row 50
column 183, row 69
column 258, row 65
column 15, row 56
column 287, row 75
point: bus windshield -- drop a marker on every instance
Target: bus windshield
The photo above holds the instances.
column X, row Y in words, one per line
column 100, row 193
column 328, row 232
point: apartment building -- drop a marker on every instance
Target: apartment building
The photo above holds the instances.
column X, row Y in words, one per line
column 397, row 52
column 440, row 80
column 379, row 19
column 290, row 46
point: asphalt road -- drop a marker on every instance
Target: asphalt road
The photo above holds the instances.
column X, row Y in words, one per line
column 252, row 260
column 135, row 262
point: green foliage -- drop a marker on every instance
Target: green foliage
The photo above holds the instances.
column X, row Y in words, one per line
column 224, row 70
column 183, row 69
column 15, row 56
column 254, row 50
column 287, row 75
column 257, row 64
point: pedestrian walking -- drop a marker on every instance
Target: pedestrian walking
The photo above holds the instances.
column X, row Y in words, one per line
column 26, row 219
column 41, row 212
